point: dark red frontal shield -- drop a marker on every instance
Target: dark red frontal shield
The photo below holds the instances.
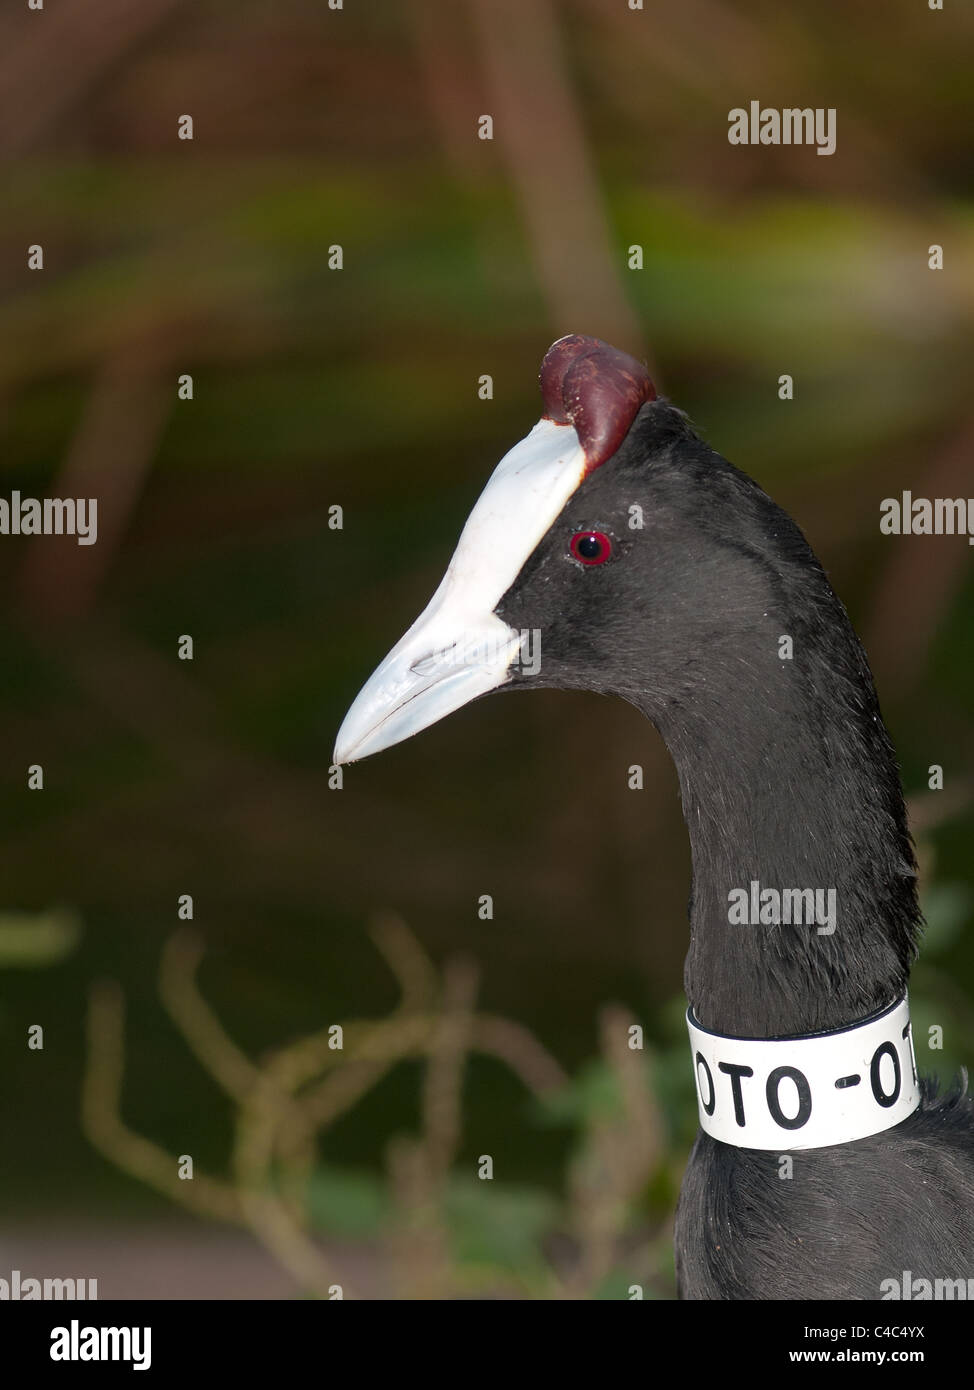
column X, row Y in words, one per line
column 596, row 388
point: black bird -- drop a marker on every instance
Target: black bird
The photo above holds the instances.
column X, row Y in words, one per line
column 655, row 570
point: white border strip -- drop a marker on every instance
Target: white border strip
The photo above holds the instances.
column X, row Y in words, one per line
column 809, row 1092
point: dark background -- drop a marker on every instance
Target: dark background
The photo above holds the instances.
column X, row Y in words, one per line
column 357, row 387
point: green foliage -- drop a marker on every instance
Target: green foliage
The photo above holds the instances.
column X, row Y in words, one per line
column 501, row 1226
column 29, row 940
column 591, row 1094
column 342, row 1202
column 947, row 910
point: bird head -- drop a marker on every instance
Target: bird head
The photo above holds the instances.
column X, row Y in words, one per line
column 590, row 532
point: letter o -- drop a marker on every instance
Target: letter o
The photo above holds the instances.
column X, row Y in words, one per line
column 707, row 1105
column 885, row 1049
column 804, row 1097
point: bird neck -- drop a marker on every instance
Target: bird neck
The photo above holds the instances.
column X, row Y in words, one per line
column 803, row 911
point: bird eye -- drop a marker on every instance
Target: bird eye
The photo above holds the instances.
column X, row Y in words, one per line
column 591, row 547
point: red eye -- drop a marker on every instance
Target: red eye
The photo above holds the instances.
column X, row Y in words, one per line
column 591, row 547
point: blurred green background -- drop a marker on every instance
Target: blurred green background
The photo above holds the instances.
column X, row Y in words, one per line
column 357, row 387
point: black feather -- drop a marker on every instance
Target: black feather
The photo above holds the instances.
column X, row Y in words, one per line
column 788, row 777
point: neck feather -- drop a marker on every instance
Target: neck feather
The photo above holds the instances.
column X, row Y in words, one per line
column 789, row 783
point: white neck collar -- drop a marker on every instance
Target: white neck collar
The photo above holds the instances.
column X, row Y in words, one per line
column 807, row 1092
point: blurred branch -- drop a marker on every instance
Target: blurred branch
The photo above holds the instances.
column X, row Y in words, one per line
column 616, row 1161
column 407, row 960
column 272, row 1217
column 442, row 1089
column 283, row 1103
column 921, row 576
column 199, row 1025
column 108, row 459
column 537, row 122
column 512, row 1044
column 57, row 61
column 102, row 1123
column 418, row 1246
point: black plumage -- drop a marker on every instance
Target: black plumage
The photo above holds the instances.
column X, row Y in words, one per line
column 787, row 776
